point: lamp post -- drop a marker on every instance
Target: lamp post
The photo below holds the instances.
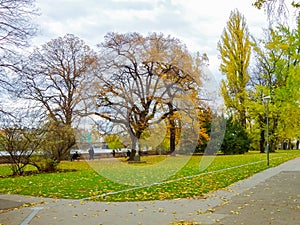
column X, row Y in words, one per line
column 267, row 99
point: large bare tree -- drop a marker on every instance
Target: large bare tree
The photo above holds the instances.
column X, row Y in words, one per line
column 16, row 25
column 56, row 76
column 16, row 28
column 143, row 81
column 54, row 79
column 276, row 10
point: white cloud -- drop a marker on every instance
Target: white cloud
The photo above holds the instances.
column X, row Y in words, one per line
column 198, row 23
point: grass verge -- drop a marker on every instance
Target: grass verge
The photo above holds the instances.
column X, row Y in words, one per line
column 85, row 182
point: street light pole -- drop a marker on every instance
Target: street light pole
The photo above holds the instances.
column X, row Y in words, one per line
column 267, row 99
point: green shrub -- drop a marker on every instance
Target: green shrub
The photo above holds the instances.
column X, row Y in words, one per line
column 236, row 139
column 43, row 163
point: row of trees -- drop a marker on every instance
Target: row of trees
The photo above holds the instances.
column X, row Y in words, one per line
column 139, row 87
column 256, row 68
column 136, row 86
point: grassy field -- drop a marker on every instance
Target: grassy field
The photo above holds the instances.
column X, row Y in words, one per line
column 161, row 177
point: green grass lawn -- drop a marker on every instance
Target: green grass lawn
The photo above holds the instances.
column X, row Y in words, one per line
column 112, row 180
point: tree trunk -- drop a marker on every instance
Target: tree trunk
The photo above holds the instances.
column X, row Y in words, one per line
column 172, row 135
column 172, row 128
column 272, row 145
column 243, row 118
column 135, row 153
column 262, row 142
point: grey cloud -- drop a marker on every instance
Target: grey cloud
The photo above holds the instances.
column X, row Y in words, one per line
column 66, row 9
column 128, row 5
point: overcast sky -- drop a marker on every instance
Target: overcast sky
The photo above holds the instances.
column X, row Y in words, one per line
column 197, row 23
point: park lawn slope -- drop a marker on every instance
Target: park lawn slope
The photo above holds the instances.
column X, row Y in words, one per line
column 79, row 180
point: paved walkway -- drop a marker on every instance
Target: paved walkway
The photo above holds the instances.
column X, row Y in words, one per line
column 269, row 197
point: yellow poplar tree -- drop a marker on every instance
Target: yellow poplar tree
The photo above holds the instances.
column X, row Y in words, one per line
column 235, row 51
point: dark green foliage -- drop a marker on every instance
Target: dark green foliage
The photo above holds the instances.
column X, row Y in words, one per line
column 236, row 139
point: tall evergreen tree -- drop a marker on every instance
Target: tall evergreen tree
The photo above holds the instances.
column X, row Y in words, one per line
column 236, row 140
